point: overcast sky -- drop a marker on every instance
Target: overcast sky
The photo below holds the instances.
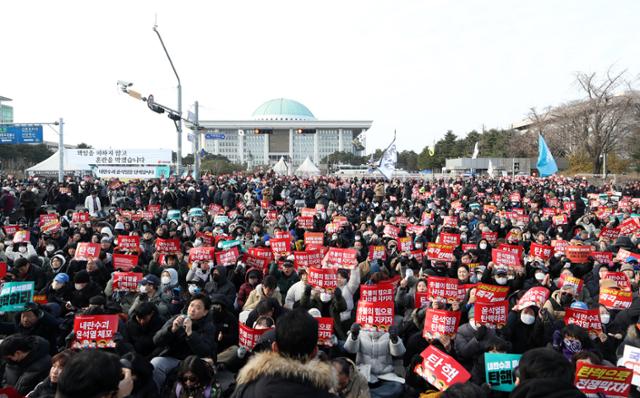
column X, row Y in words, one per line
column 421, row 67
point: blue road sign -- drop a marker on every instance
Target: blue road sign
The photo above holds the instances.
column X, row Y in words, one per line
column 214, row 136
column 21, row 134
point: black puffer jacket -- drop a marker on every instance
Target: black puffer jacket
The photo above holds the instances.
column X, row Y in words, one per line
column 546, row 388
column 269, row 374
column 26, row 374
column 202, row 342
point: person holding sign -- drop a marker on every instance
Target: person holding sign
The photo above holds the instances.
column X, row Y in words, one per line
column 149, row 291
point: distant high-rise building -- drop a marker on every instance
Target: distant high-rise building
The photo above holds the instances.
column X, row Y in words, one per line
column 6, row 111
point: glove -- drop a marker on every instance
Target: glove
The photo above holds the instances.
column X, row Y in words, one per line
column 481, row 333
column 393, row 334
column 355, row 330
column 307, row 290
column 337, row 292
column 557, row 339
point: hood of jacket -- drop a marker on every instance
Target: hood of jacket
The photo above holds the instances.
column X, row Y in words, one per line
column 253, row 270
column 320, row 374
column 173, row 274
column 222, row 271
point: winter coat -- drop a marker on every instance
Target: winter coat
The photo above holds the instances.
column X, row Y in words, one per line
column 467, row 345
column 332, row 309
column 246, row 288
column 632, row 338
column 141, row 338
column 257, row 295
column 375, row 349
column 202, row 342
column 294, row 294
column 348, row 291
column 284, row 282
column 225, row 321
column 80, row 298
column 157, row 300
column 268, row 374
column 26, row 374
column 357, row 386
column 222, row 286
column 44, row 389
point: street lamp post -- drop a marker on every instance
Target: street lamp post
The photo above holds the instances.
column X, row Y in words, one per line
column 179, row 122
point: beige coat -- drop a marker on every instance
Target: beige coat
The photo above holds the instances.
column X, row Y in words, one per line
column 257, row 295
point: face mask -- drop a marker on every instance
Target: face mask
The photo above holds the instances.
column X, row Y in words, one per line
column 165, row 280
column 78, row 286
column 194, row 289
column 483, row 246
column 197, row 243
column 22, row 249
column 605, row 318
column 501, row 281
column 418, row 245
column 325, row 297
column 142, row 289
column 572, row 345
column 539, row 276
column 50, row 248
column 527, row 319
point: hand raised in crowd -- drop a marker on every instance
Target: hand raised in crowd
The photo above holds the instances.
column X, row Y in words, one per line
column 177, row 323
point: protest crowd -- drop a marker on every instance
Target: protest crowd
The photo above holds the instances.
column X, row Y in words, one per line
column 259, row 285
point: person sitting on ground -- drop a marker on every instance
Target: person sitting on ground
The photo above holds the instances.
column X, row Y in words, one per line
column 268, row 288
column 27, row 361
column 47, row 388
column 195, row 379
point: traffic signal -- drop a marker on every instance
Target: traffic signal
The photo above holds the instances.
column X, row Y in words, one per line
column 153, row 106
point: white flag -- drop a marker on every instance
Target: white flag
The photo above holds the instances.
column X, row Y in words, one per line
column 476, row 152
column 490, row 170
column 389, row 159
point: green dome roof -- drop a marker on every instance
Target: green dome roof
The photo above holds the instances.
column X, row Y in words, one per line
column 282, row 109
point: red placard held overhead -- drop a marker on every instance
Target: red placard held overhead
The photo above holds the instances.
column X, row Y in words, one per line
column 325, row 331
column 505, row 258
column 126, row 281
column 491, row 237
column 486, row 293
column 439, row 323
column 449, row 239
column 323, row 278
column 603, row 257
column 535, row 296
column 620, row 278
column 543, row 252
column 341, row 258
column 491, row 315
column 377, row 293
column 587, row 319
column 440, row 252
column 227, row 257
column 614, row 299
column 167, row 246
column 131, row 243
column 124, row 262
column 441, row 287
column 309, row 258
column 391, row 231
column 280, row 247
column 80, row 217
column 578, row 254
column 377, row 252
column 94, row 331
column 313, row 239
column 375, row 316
column 87, row 251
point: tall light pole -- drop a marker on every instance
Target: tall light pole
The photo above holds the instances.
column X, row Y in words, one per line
column 179, row 122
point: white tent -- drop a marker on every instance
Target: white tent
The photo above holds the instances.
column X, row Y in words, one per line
column 51, row 165
column 281, row 167
column 307, row 168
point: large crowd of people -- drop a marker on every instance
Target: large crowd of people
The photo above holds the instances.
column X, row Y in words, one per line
column 259, row 285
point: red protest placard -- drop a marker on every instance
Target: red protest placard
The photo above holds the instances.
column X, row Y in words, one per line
column 464, row 289
column 305, row 222
column 440, row 322
column 126, row 281
column 449, row 221
column 415, row 229
column 21, row 236
column 449, row 239
column 167, row 246
column 391, row 230
column 577, row 254
column 491, row 237
column 516, row 249
column 597, row 380
column 323, row 278
column 514, row 197
column 280, row 247
column 3, row 269
column 124, row 262
column 11, row 229
column 95, row 331
column 201, row 254
column 491, row 315
column 46, row 219
column 86, row 251
column 543, row 252
column 401, row 220
column 261, row 252
column 375, row 316
column 603, row 257
column 257, row 262
column 309, row 258
column 80, row 217
column 325, row 331
column 131, row 243
column 576, row 283
column 560, row 219
column 620, row 278
column 466, row 247
column 341, row 258
column 377, row 293
column 340, row 220
column 421, row 299
column 440, row 370
column 154, row 208
column 548, row 212
column 629, row 226
column 227, row 257
column 559, row 245
column 248, row 337
column 206, row 238
column 440, row 252
column 377, row 253
column 535, row 296
column 609, row 233
column 569, row 206
column 418, row 255
column 486, row 293
column 441, row 287
column 405, row 244
column 505, row 258
column 307, row 212
column 587, row 319
column 614, row 299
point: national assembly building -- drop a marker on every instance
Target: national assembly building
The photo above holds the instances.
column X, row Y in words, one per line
column 283, row 128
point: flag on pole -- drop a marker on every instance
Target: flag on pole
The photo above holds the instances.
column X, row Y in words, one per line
column 546, row 163
column 387, row 164
column 476, row 152
column 490, row 170
column 432, row 149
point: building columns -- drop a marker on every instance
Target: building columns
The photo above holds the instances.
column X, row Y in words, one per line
column 316, row 149
column 291, row 146
column 241, row 145
column 340, row 141
column 266, row 148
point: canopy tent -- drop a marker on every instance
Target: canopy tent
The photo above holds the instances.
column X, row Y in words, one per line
column 307, row 168
column 51, row 165
column 281, row 167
